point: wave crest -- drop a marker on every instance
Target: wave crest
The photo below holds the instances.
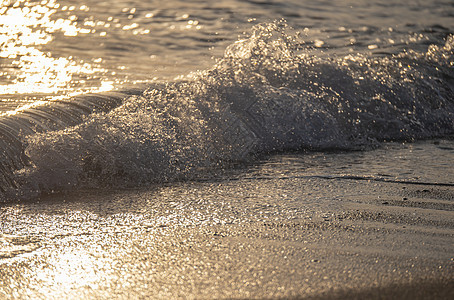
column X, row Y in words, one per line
column 269, row 92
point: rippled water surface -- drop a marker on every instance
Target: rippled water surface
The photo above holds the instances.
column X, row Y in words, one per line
column 56, row 47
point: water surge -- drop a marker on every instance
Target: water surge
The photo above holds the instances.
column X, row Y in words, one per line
column 270, row 92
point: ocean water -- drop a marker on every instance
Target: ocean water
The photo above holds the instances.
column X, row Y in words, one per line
column 103, row 94
column 226, row 149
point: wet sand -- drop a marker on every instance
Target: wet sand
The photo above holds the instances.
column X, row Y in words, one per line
column 254, row 234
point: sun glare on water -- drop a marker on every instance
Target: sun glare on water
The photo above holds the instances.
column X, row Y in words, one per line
column 26, row 27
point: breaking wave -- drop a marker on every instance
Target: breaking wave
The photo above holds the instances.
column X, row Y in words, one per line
column 270, row 92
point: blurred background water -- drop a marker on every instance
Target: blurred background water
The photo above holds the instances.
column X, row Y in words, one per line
column 58, row 47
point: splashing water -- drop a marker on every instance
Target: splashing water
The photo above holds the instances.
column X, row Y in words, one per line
column 269, row 92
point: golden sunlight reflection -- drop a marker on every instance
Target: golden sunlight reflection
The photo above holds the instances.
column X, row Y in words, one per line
column 69, row 270
column 24, row 67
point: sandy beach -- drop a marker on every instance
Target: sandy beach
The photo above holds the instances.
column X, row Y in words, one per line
column 254, row 233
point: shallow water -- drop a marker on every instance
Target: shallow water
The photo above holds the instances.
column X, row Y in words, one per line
column 293, row 225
